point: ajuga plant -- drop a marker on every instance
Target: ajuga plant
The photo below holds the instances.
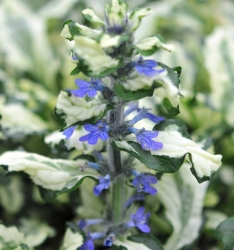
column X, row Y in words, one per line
column 103, row 117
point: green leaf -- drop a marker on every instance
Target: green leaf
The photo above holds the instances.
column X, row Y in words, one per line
column 118, row 248
column 172, row 111
column 162, row 163
column 71, row 110
column 124, row 243
column 91, row 16
column 182, row 198
column 136, row 15
column 148, row 240
column 225, row 232
column 70, row 30
column 75, row 71
column 56, row 175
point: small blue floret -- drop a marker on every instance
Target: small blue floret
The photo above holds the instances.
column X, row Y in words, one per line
column 142, row 183
column 69, row 131
column 99, row 130
column 87, row 88
column 146, row 67
column 88, row 244
column 144, row 137
column 140, row 220
column 109, row 240
column 104, row 183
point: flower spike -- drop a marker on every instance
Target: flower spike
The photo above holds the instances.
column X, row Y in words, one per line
column 87, row 88
column 140, row 220
column 104, row 183
column 99, row 130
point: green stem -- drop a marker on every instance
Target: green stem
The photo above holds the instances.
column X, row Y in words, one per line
column 115, row 118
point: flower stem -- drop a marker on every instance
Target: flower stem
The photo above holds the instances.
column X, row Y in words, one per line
column 115, row 119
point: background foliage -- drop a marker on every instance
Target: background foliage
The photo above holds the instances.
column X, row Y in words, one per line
column 34, row 66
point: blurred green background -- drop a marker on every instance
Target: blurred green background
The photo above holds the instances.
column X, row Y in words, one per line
column 35, row 66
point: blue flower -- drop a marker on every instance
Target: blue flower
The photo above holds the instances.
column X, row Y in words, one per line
column 142, row 183
column 69, row 131
column 146, row 67
column 132, row 106
column 144, row 138
column 140, row 220
column 88, row 244
column 109, row 240
column 145, row 114
column 104, row 183
column 137, row 197
column 85, row 223
column 100, row 129
column 89, row 88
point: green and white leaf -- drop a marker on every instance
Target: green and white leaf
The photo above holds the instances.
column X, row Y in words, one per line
column 182, row 198
column 165, row 84
column 91, row 16
column 11, row 238
column 150, row 45
column 117, row 12
column 72, row 110
column 72, row 240
column 36, row 232
column 11, row 194
column 95, row 58
column 18, row 121
column 130, row 245
column 53, row 174
column 107, row 41
column 136, row 16
column 203, row 163
column 218, row 44
column 71, row 29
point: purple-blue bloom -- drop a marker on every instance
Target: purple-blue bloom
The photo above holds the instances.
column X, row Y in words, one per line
column 144, row 138
column 108, row 242
column 140, row 220
column 104, row 183
column 69, row 131
column 132, row 106
column 142, row 183
column 145, row 114
column 99, row 130
column 146, row 67
column 87, row 88
column 137, row 197
column 88, row 244
column 85, row 223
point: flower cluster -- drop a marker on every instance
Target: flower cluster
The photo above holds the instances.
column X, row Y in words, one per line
column 110, row 57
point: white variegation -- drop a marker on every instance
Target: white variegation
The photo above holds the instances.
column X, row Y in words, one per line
column 53, row 174
column 72, row 240
column 77, row 109
column 18, row 121
column 86, row 31
column 35, row 231
column 152, row 43
column 175, row 145
column 66, row 32
column 93, row 54
column 136, row 16
column 130, row 245
column 116, row 12
column 167, row 89
column 125, row 145
column 92, row 16
column 54, row 139
column 182, row 198
column 109, row 41
column 10, row 236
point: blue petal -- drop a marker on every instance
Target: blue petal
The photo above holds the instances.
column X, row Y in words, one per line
column 156, row 145
column 92, row 92
column 79, row 92
column 69, row 131
column 87, row 245
column 103, row 136
column 85, row 137
column 98, row 189
column 150, row 63
column 143, row 227
column 149, row 178
column 81, row 83
column 154, row 118
column 93, row 138
column 90, row 127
